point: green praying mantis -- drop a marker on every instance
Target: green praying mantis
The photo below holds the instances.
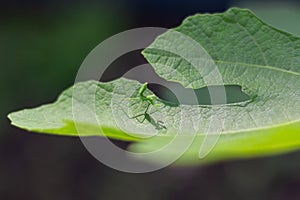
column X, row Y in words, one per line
column 150, row 99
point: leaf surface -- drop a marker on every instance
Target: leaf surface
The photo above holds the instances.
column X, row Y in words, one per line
column 232, row 48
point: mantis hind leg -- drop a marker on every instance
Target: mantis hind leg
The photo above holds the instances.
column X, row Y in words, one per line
column 137, row 118
column 144, row 114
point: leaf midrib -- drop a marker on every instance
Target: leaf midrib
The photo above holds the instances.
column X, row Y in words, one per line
column 258, row 66
column 241, row 64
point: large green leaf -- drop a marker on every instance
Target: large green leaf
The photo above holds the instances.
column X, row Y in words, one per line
column 236, row 46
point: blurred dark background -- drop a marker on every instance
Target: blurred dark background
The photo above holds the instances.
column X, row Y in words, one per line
column 42, row 44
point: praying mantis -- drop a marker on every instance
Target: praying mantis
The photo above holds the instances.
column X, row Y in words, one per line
column 150, row 99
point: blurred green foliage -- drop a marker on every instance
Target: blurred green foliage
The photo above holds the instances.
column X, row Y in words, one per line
column 40, row 53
